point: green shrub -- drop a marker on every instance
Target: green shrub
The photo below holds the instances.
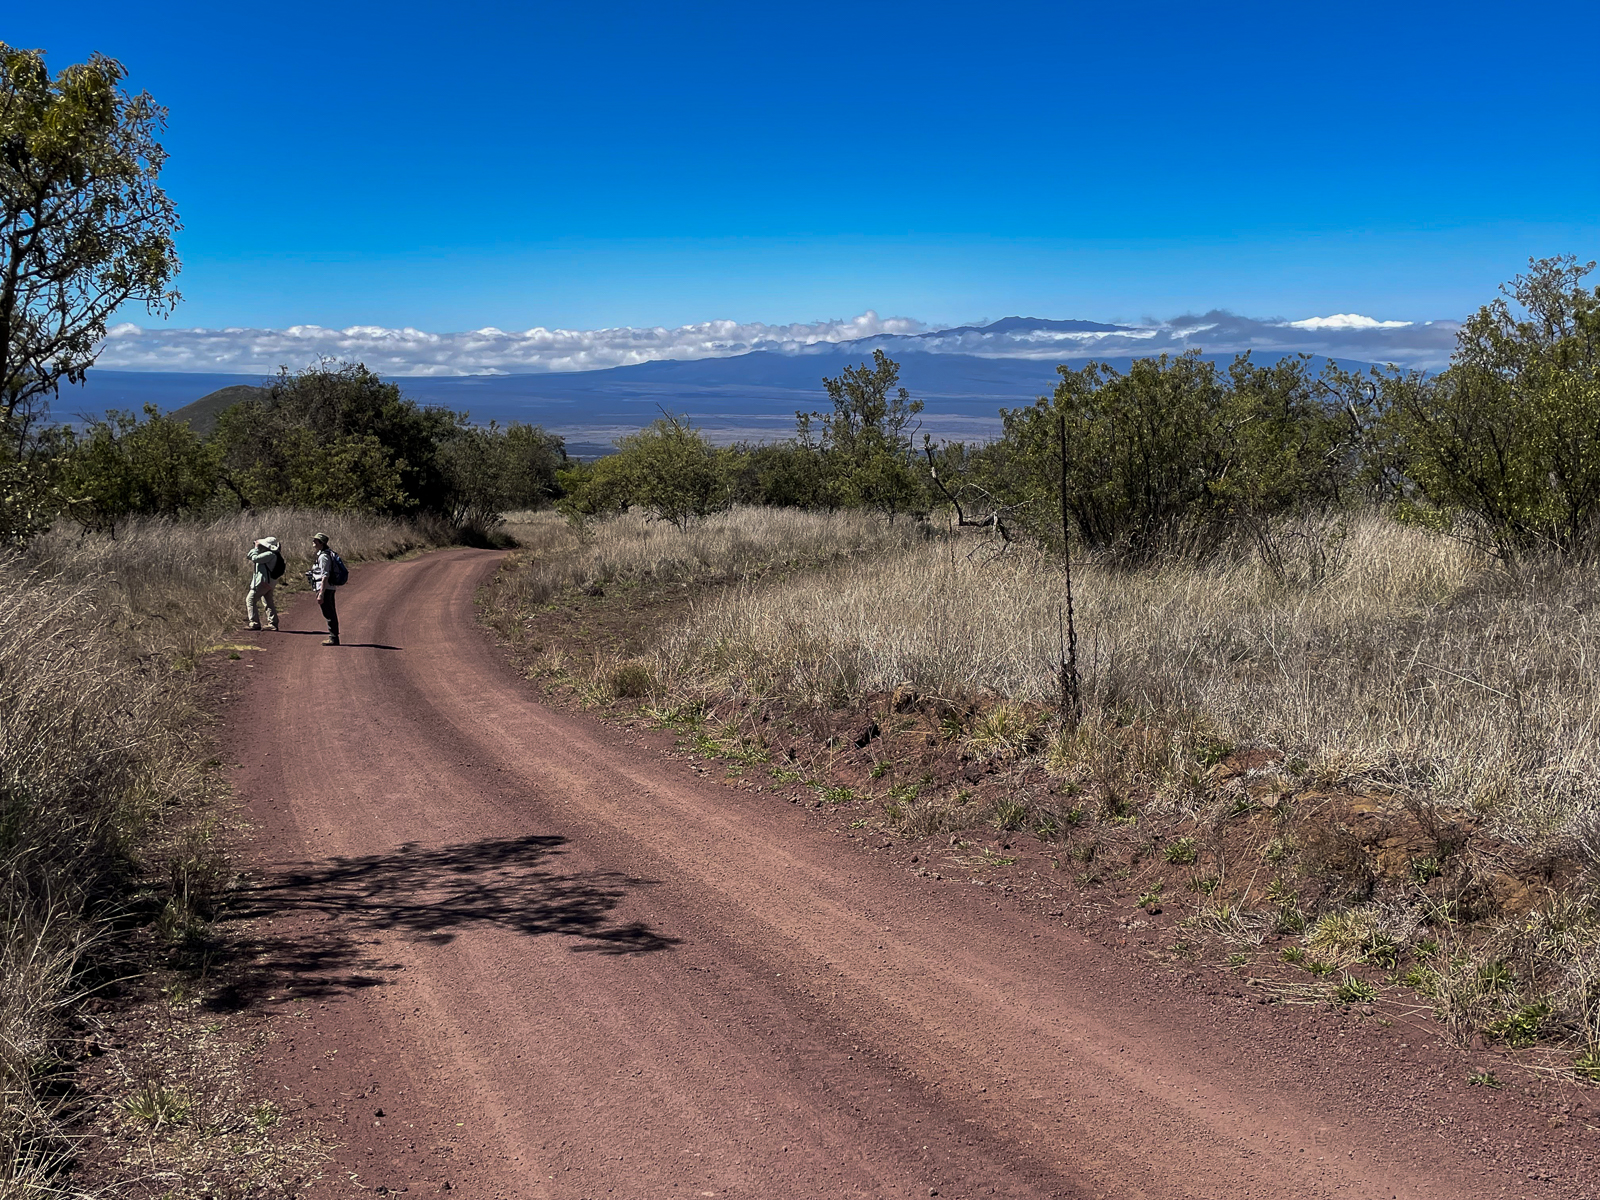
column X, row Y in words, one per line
column 1509, row 436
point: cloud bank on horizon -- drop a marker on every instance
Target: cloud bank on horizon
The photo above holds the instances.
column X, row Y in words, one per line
column 415, row 352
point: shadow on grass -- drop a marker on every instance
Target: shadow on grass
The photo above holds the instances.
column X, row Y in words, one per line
column 327, row 921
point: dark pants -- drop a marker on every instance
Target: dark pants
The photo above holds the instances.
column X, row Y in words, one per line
column 330, row 610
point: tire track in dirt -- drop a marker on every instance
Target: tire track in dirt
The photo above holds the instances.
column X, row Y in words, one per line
column 516, row 952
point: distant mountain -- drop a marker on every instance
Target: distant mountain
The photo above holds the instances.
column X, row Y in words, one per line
column 201, row 415
column 965, row 375
column 1028, row 324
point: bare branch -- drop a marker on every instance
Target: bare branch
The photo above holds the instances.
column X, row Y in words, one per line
column 992, row 521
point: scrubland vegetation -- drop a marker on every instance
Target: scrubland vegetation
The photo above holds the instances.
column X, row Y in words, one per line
column 1333, row 639
column 1417, row 658
column 1184, row 457
column 736, row 544
column 333, row 438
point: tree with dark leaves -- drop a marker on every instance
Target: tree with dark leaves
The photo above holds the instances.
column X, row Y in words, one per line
column 84, row 225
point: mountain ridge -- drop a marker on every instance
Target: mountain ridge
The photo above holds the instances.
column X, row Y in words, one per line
column 750, row 396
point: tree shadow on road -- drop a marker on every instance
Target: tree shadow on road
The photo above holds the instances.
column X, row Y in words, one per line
column 317, row 928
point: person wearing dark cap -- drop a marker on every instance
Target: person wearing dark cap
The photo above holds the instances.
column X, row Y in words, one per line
column 322, row 575
column 266, row 557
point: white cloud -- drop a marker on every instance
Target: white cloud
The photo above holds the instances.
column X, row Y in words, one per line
column 1426, row 346
column 478, row 352
column 1346, row 321
column 490, row 351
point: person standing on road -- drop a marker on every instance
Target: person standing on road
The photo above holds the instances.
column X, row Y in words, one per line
column 322, row 578
column 266, row 559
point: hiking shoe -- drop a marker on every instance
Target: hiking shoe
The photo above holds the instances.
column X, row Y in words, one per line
column 253, row 625
column 333, row 641
column 273, row 625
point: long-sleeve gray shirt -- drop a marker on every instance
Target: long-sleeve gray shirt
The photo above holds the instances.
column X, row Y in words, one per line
column 263, row 560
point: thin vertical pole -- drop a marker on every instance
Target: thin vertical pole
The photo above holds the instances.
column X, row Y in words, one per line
column 1071, row 695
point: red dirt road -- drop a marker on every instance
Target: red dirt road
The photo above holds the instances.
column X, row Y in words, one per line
column 524, row 954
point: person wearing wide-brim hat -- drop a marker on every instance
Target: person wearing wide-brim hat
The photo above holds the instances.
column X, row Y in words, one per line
column 322, row 578
column 266, row 557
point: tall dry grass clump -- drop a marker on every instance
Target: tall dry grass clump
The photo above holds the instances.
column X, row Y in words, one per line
column 556, row 554
column 98, row 759
column 1414, row 659
column 87, row 759
column 170, row 587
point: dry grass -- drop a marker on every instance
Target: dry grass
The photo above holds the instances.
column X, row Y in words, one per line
column 556, row 555
column 1417, row 663
column 87, row 757
column 1452, row 696
column 103, row 783
column 170, row 588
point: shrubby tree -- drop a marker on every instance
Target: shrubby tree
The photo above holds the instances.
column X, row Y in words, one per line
column 1370, row 457
column 490, row 471
column 84, row 225
column 789, row 474
column 1175, row 455
column 866, row 443
column 352, row 473
column 1141, row 448
column 475, row 474
column 84, row 229
column 1144, row 444
column 531, row 459
column 1292, row 445
column 337, row 436
column 120, row 466
column 1509, row 436
column 29, row 501
column 668, row 469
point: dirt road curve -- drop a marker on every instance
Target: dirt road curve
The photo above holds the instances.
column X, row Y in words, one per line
column 527, row 955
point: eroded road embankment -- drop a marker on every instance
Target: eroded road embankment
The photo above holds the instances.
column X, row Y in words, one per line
column 516, row 951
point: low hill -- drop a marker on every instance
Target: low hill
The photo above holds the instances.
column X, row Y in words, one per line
column 201, row 415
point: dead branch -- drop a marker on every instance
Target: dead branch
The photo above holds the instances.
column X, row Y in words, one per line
column 992, row 521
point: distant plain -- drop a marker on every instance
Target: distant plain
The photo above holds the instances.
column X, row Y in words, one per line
column 748, row 397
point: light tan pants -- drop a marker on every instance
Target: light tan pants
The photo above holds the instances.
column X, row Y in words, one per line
column 263, row 594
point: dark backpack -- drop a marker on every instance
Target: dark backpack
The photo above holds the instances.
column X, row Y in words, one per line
column 278, row 565
column 338, row 573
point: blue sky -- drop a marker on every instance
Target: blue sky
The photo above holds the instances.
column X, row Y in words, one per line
column 449, row 167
